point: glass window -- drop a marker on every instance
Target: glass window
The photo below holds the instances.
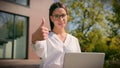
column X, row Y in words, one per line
column 21, row 2
column 6, row 35
column 13, row 36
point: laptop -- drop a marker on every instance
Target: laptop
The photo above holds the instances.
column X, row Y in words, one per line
column 84, row 60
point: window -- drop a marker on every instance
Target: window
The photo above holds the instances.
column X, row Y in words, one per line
column 13, row 36
column 21, row 2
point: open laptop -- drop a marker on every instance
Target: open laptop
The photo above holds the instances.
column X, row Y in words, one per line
column 83, row 60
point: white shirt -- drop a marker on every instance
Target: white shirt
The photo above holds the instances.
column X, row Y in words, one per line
column 53, row 49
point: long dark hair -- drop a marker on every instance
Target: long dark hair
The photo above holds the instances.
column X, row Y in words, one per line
column 52, row 8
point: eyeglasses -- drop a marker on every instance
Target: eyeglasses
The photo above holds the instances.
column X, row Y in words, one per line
column 59, row 16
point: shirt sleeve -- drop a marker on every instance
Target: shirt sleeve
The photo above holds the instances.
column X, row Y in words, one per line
column 39, row 48
column 78, row 46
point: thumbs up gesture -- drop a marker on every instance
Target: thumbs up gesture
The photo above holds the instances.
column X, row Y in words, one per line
column 41, row 33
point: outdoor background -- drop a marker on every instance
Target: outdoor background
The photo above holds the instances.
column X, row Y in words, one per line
column 96, row 23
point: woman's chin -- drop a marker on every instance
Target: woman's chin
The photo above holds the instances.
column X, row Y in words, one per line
column 62, row 26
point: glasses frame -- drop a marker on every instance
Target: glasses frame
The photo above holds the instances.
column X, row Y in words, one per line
column 58, row 16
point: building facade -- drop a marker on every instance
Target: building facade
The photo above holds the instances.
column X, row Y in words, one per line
column 18, row 20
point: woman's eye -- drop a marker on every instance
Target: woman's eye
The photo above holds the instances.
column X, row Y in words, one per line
column 63, row 15
column 56, row 16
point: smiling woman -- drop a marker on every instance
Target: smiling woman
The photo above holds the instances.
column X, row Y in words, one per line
column 51, row 46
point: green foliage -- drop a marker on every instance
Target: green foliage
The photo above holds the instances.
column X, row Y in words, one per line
column 115, row 48
column 114, row 18
column 116, row 9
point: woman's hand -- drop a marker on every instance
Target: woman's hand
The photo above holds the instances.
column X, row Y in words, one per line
column 41, row 33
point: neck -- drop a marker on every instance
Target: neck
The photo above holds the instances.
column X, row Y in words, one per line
column 59, row 31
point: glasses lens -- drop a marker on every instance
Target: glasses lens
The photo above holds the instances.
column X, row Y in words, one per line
column 63, row 15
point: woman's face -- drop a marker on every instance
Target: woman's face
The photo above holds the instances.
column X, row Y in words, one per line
column 59, row 18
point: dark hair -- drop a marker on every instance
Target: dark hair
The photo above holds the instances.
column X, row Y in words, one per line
column 52, row 8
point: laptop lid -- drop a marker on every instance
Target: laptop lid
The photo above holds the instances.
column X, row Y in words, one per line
column 83, row 60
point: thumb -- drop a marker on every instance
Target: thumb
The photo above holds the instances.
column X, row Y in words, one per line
column 43, row 22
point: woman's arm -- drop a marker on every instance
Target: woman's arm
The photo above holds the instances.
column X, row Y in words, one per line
column 39, row 48
column 78, row 46
column 39, row 39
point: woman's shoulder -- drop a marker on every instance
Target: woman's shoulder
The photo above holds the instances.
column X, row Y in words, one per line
column 72, row 37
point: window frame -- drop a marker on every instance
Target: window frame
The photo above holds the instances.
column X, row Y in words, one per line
column 27, row 34
column 28, row 3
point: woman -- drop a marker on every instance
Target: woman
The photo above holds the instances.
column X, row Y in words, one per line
column 51, row 46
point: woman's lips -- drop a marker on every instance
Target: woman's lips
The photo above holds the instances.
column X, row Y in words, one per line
column 61, row 23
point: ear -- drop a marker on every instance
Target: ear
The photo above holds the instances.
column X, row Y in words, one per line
column 51, row 18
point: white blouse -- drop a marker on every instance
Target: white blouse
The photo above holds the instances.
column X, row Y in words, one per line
column 53, row 49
